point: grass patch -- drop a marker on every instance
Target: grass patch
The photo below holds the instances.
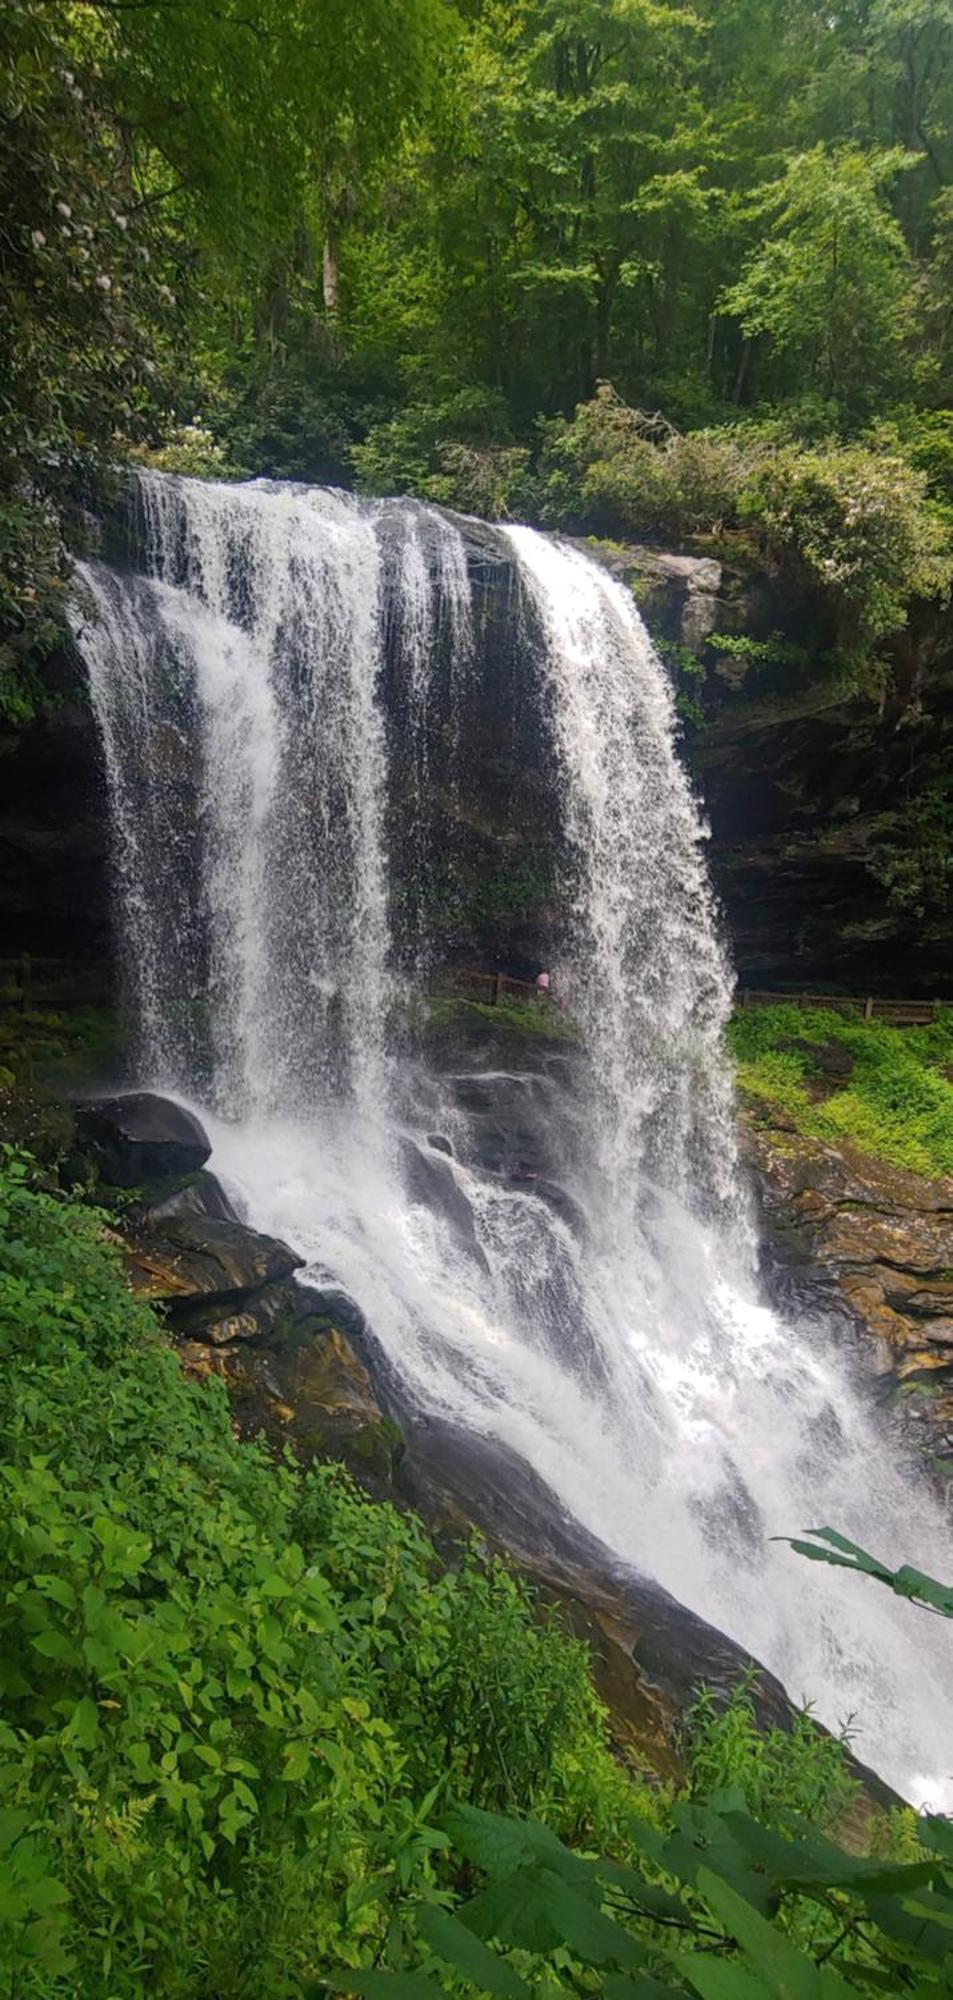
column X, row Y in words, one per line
column 896, row 1102
column 521, row 1017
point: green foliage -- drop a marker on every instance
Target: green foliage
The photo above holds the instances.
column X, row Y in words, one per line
column 896, row 1102
column 827, row 1546
column 859, row 525
column 631, row 473
column 455, row 452
column 914, row 862
column 721, row 1905
column 149, row 158
column 529, row 1017
column 192, row 451
column 254, row 1730
column 829, row 283
column 780, row 1771
column 232, row 1691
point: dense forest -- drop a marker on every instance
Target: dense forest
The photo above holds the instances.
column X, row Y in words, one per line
column 652, row 269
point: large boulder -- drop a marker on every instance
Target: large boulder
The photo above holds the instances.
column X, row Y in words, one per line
column 140, row 1140
column 203, row 1195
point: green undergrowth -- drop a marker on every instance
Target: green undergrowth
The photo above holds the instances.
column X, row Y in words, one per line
column 240, row 1701
column 234, row 1692
column 838, row 1078
column 523, row 1017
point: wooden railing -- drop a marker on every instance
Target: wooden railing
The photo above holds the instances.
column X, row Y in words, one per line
column 489, row 988
column 899, row 1013
column 27, row 981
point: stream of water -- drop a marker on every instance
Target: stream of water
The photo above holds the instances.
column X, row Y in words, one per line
column 615, row 1338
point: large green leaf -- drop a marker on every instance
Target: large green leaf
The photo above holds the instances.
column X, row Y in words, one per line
column 904, row 1582
column 463, row 1949
column 500, row 1845
column 815, row 1862
column 721, row 1978
column 541, row 1911
column 381, row 1985
column 786, row 1972
column 703, row 1839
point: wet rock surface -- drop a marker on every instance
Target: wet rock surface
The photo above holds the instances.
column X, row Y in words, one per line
column 313, row 1391
column 875, row 1243
column 141, row 1140
column 186, row 1260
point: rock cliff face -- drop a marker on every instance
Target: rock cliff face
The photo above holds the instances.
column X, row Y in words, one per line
column 828, row 808
column 874, row 1244
column 53, row 829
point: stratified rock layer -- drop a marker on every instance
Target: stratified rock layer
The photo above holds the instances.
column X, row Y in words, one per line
column 875, row 1242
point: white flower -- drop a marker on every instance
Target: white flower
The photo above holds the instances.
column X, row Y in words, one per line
column 121, row 221
column 38, row 239
column 63, row 208
column 105, row 284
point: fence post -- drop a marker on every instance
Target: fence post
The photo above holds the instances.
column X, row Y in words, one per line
column 868, row 1009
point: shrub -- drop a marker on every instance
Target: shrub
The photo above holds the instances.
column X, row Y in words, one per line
column 621, row 470
column 857, row 525
column 456, row 451
column 780, row 1771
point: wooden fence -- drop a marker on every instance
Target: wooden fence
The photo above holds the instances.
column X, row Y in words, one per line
column 899, row 1013
column 28, row 981
column 489, row 988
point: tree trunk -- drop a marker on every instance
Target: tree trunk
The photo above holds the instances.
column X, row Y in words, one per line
column 330, row 279
column 742, row 372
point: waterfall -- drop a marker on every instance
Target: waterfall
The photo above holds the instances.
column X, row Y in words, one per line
column 568, row 1272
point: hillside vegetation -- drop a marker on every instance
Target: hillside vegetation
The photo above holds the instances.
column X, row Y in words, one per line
column 257, row 1738
column 886, row 1090
column 411, row 246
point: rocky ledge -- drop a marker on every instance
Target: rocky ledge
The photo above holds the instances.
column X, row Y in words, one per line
column 301, row 1369
column 875, row 1243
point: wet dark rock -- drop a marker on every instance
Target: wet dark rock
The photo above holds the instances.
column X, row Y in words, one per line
column 650, row 1654
column 190, row 1260
column 508, row 1129
column 203, row 1195
column 141, row 1140
column 432, row 1181
column 555, row 1197
column 54, row 838
column 873, row 1241
column 266, row 1314
column 313, row 1392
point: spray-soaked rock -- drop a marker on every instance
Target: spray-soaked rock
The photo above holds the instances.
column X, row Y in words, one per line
column 876, row 1241
column 189, row 1260
column 141, row 1139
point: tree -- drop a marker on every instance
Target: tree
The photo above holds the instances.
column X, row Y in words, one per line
column 829, row 286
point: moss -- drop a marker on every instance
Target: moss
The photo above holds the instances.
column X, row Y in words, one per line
column 530, row 1017
column 896, row 1103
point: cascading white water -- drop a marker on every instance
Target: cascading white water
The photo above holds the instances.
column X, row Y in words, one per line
column 614, row 1338
column 646, row 974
